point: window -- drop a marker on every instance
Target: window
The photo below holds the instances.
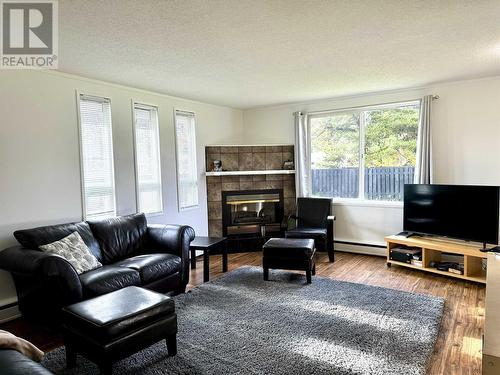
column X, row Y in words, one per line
column 366, row 153
column 96, row 149
column 147, row 159
column 187, row 172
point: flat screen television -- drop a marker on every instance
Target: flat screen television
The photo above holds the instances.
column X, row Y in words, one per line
column 463, row 212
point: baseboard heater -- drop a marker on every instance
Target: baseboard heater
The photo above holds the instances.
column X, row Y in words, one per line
column 360, row 244
column 8, row 305
column 9, row 311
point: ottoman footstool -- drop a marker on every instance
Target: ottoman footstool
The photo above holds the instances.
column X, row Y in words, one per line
column 290, row 254
column 113, row 326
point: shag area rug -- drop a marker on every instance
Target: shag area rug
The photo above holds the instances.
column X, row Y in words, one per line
column 240, row 324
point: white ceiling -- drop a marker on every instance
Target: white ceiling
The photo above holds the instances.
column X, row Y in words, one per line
column 248, row 53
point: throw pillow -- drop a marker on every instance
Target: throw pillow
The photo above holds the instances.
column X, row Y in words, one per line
column 75, row 251
column 10, row 341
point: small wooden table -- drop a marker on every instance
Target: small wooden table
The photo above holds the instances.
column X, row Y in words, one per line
column 206, row 244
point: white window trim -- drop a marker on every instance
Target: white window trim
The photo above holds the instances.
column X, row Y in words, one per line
column 361, row 200
column 358, row 202
column 143, row 105
column 197, row 205
column 79, row 94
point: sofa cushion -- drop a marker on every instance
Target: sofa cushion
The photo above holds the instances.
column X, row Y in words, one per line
column 108, row 279
column 73, row 249
column 120, row 237
column 35, row 237
column 152, row 267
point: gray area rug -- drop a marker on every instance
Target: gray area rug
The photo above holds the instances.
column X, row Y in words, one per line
column 240, row 324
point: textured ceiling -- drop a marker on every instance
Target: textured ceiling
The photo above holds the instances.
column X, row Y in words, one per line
column 248, row 53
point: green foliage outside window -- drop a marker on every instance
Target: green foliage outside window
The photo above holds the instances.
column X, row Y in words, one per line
column 390, row 138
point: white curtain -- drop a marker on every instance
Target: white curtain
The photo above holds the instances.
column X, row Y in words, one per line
column 302, row 155
column 423, row 168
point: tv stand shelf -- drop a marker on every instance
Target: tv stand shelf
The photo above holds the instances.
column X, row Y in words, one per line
column 432, row 250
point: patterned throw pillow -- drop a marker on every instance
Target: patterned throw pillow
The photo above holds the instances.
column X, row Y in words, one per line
column 74, row 250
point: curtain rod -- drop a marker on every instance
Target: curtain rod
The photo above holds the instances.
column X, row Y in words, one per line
column 434, row 97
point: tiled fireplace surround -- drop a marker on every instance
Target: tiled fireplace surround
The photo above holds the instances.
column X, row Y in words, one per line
column 247, row 158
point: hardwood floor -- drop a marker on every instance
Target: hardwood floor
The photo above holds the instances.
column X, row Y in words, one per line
column 457, row 350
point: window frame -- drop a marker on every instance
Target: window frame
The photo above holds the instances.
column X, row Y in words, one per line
column 195, row 159
column 99, row 98
column 146, row 106
column 361, row 200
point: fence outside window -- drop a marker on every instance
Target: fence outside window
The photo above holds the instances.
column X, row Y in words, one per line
column 381, row 183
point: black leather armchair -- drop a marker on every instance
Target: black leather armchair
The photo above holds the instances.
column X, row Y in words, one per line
column 132, row 252
column 313, row 220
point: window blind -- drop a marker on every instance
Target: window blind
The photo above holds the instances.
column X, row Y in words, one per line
column 96, row 148
column 187, row 171
column 147, row 159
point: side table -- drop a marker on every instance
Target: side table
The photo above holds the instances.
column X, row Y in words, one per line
column 206, row 244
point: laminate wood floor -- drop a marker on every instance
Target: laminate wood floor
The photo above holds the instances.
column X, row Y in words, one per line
column 457, row 350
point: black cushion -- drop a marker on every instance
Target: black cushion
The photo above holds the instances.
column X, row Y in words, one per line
column 152, row 267
column 35, row 237
column 313, row 233
column 313, row 212
column 14, row 363
column 120, row 237
column 286, row 248
column 117, row 313
column 108, row 279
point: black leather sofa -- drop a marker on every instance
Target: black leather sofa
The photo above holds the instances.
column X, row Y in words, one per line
column 14, row 363
column 132, row 252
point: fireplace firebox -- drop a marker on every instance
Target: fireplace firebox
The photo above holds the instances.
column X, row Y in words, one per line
column 252, row 212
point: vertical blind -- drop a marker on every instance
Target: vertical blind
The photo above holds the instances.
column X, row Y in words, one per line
column 147, row 159
column 96, row 143
column 187, row 172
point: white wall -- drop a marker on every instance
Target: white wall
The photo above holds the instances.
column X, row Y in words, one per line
column 466, row 130
column 39, row 152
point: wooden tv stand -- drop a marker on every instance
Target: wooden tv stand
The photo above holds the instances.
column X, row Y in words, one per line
column 432, row 250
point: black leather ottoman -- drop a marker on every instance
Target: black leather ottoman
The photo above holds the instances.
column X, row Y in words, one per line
column 113, row 326
column 289, row 254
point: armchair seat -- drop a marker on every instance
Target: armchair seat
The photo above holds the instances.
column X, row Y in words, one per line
column 107, row 279
column 152, row 267
column 313, row 233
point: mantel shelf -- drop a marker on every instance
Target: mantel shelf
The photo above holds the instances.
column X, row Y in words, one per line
column 248, row 173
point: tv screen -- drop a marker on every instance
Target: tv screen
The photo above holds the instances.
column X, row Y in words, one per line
column 459, row 211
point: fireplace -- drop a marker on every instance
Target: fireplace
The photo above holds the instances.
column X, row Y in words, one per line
column 252, row 212
column 249, row 219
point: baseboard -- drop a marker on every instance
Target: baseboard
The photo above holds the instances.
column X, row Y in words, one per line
column 361, row 248
column 9, row 312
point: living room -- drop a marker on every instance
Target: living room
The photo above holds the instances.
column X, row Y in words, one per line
column 238, row 97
